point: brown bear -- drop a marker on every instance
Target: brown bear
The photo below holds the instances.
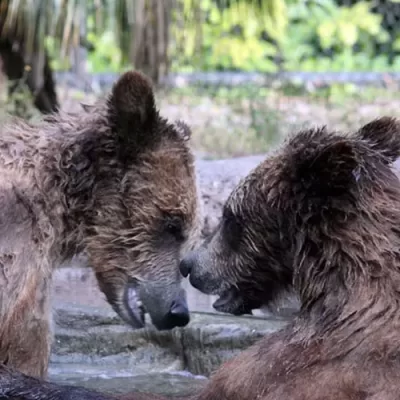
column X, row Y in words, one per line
column 320, row 217
column 115, row 181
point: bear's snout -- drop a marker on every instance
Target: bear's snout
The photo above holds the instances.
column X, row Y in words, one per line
column 177, row 316
column 186, row 265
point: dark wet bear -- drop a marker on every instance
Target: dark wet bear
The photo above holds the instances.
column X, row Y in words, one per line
column 115, row 181
column 321, row 217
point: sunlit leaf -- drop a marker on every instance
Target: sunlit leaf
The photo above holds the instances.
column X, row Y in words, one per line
column 326, row 32
column 347, row 33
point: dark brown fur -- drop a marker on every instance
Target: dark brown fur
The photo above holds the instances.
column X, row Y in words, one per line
column 115, row 181
column 322, row 217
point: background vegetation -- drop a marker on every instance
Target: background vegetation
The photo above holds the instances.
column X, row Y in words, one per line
column 164, row 37
column 255, row 35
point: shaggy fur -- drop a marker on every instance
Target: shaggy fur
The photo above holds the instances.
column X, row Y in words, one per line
column 115, row 181
column 320, row 216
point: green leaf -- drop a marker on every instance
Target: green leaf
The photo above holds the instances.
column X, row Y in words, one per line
column 348, row 33
column 396, row 44
column 326, row 32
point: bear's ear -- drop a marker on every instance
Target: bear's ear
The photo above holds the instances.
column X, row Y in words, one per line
column 330, row 169
column 383, row 135
column 132, row 110
column 183, row 130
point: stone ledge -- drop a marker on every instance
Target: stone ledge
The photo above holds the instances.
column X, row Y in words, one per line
column 90, row 333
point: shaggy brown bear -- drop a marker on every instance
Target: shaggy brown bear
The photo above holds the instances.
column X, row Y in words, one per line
column 321, row 216
column 115, row 181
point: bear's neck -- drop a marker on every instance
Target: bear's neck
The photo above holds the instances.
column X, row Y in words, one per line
column 343, row 298
column 347, row 270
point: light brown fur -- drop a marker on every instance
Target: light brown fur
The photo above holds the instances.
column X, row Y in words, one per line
column 115, row 181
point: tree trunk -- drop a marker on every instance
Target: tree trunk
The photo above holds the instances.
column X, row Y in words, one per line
column 151, row 38
column 38, row 76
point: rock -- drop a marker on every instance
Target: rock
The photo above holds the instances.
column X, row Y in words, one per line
column 94, row 348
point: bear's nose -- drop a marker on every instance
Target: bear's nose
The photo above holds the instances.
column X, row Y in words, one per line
column 179, row 313
column 186, row 265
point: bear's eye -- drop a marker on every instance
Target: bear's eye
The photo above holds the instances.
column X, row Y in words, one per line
column 173, row 225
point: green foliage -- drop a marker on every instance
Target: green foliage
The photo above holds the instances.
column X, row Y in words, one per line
column 243, row 50
column 57, row 63
column 344, row 35
column 57, row 26
column 231, row 38
column 19, row 103
column 107, row 56
column 307, row 35
column 246, row 35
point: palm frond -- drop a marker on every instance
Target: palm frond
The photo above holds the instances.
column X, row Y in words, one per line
column 141, row 27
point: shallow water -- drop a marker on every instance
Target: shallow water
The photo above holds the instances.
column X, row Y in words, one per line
column 95, row 349
column 171, row 384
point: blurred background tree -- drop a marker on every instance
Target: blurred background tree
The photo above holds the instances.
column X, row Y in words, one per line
column 41, row 38
column 185, row 35
column 38, row 36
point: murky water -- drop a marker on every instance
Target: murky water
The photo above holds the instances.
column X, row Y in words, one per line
column 97, row 352
column 170, row 384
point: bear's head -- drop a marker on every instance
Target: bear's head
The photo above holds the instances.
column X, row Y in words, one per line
column 131, row 189
column 320, row 203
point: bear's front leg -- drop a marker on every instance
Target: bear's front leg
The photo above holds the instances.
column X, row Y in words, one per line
column 25, row 340
column 25, row 278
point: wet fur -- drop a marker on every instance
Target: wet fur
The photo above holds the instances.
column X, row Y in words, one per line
column 327, row 208
column 106, row 181
column 320, row 216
